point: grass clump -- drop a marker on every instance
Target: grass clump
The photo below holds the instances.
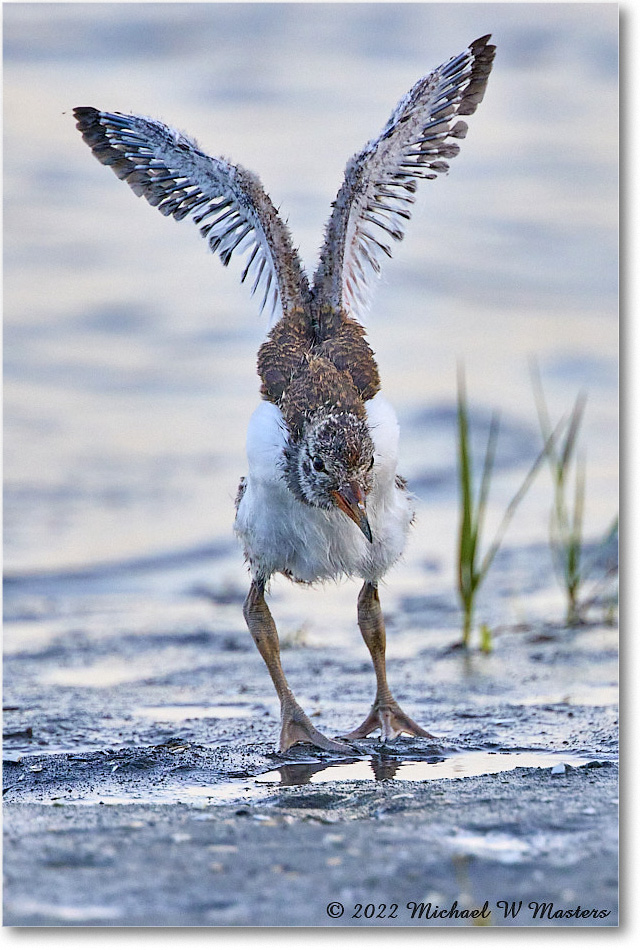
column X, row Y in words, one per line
column 568, row 470
column 472, row 567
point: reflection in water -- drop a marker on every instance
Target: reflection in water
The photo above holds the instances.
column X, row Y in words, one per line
column 382, row 768
column 298, row 773
column 379, row 767
column 124, row 787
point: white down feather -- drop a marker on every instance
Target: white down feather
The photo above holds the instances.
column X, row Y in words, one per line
column 282, row 534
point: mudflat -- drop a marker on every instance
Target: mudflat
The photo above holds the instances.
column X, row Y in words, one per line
column 158, row 799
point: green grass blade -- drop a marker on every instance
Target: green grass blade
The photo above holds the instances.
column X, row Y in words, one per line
column 489, row 461
column 572, row 432
column 544, row 418
column 512, row 507
column 466, row 537
column 575, row 546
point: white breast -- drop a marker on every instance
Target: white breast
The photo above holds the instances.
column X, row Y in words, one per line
column 282, row 534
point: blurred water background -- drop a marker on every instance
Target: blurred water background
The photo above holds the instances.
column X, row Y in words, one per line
column 130, row 352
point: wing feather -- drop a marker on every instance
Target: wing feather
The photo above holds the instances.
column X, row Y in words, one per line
column 374, row 203
column 229, row 204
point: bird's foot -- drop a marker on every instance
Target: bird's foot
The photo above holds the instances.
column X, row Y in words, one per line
column 390, row 718
column 296, row 727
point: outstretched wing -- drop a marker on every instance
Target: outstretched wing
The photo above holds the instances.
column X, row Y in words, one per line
column 227, row 201
column 375, row 201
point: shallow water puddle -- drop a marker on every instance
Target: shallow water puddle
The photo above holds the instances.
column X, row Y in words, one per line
column 373, row 769
column 365, row 770
column 460, row 765
column 113, row 672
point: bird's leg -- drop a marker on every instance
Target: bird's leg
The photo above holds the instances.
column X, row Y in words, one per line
column 295, row 725
column 386, row 713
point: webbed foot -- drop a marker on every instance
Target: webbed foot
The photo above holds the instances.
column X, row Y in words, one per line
column 390, row 718
column 296, row 727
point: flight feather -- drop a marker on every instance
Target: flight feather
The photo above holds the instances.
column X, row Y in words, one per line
column 226, row 201
column 375, row 201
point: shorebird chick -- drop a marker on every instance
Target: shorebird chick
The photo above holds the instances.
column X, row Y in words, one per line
column 322, row 498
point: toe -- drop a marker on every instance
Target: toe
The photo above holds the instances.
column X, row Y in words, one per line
column 394, row 722
column 391, row 720
column 297, row 728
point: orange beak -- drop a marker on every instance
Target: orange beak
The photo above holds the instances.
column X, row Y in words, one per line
column 352, row 501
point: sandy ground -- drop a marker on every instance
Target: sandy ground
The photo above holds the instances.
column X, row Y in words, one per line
column 143, row 803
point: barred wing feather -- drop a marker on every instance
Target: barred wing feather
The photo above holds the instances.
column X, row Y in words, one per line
column 376, row 198
column 228, row 202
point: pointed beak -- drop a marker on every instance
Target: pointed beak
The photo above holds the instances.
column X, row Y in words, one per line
column 352, row 501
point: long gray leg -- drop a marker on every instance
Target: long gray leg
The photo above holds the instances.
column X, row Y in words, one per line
column 295, row 725
column 386, row 713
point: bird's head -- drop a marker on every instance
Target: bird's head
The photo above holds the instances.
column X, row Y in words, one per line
column 330, row 466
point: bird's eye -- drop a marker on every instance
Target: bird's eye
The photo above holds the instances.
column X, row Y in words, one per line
column 317, row 461
column 371, row 463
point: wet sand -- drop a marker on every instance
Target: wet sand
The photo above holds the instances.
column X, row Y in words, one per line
column 158, row 799
column 283, row 861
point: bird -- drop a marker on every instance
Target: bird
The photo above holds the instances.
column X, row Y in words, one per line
column 322, row 498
